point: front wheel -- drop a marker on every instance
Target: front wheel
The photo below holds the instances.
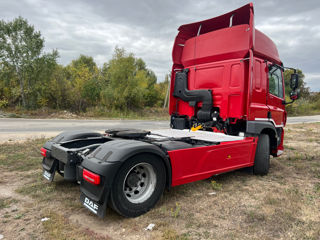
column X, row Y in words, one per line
column 262, row 158
column 138, row 185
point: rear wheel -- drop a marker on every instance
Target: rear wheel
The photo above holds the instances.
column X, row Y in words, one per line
column 138, row 185
column 262, row 158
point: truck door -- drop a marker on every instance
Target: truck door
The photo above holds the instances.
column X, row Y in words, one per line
column 275, row 95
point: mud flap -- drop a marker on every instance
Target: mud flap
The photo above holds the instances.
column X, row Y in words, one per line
column 47, row 175
column 93, row 206
column 49, row 168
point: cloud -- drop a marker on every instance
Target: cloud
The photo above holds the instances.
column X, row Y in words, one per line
column 148, row 28
column 314, row 81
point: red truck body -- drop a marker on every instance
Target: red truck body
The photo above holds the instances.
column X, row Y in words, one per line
column 193, row 164
column 230, row 57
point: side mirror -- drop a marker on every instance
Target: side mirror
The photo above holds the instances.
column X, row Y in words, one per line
column 294, row 82
column 294, row 95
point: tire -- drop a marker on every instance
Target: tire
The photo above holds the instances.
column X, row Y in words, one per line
column 138, row 185
column 262, row 158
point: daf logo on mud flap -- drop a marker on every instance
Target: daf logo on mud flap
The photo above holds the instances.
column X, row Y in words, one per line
column 90, row 205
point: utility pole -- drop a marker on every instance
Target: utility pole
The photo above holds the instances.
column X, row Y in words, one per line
column 167, row 95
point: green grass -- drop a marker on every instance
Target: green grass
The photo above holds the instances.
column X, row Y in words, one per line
column 304, row 107
column 60, row 191
column 148, row 113
column 216, row 186
column 170, row 234
column 58, row 227
column 18, row 216
column 175, row 211
column 6, row 202
column 21, row 156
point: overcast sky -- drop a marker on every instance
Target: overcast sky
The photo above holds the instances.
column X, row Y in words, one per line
column 148, row 28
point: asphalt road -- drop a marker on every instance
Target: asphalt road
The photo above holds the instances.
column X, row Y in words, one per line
column 22, row 129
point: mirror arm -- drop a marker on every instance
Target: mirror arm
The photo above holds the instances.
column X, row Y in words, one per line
column 294, row 69
column 286, row 103
column 283, row 67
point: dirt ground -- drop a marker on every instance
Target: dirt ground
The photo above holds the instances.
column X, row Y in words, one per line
column 285, row 204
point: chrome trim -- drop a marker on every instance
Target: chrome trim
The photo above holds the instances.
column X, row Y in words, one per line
column 269, row 120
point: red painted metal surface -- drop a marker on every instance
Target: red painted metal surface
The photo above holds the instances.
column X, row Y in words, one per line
column 243, row 15
column 226, row 79
column 265, row 48
column 213, row 51
column 193, row 164
column 226, row 43
column 258, row 92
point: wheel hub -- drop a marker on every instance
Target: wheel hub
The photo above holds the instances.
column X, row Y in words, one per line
column 139, row 183
column 133, row 180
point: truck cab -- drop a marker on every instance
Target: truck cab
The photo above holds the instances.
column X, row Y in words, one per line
column 239, row 70
column 227, row 112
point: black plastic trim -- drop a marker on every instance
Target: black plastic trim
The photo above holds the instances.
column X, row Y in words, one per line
column 256, row 127
column 193, row 96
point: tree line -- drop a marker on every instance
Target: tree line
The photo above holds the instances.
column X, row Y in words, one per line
column 32, row 79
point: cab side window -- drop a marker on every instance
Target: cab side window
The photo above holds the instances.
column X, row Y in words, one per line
column 275, row 82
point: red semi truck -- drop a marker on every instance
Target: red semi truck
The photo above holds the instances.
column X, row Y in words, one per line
column 226, row 83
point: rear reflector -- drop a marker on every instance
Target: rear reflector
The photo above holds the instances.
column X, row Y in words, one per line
column 91, row 177
column 43, row 152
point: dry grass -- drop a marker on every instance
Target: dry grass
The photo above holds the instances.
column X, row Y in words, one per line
column 147, row 113
column 282, row 205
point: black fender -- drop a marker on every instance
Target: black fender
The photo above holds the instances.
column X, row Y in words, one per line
column 70, row 135
column 49, row 163
column 107, row 159
column 258, row 127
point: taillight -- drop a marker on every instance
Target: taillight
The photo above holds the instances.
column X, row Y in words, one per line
column 43, row 152
column 91, row 177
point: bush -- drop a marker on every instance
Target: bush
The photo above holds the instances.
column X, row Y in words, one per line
column 304, row 106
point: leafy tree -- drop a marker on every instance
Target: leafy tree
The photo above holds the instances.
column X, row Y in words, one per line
column 39, row 79
column 20, row 53
column 85, row 87
column 59, row 89
column 304, row 90
column 130, row 84
column 103, row 75
column 86, row 61
column 9, row 90
column 162, row 90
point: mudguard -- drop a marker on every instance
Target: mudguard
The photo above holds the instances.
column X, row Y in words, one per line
column 70, row 135
column 275, row 134
column 50, row 163
column 256, row 127
column 106, row 161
